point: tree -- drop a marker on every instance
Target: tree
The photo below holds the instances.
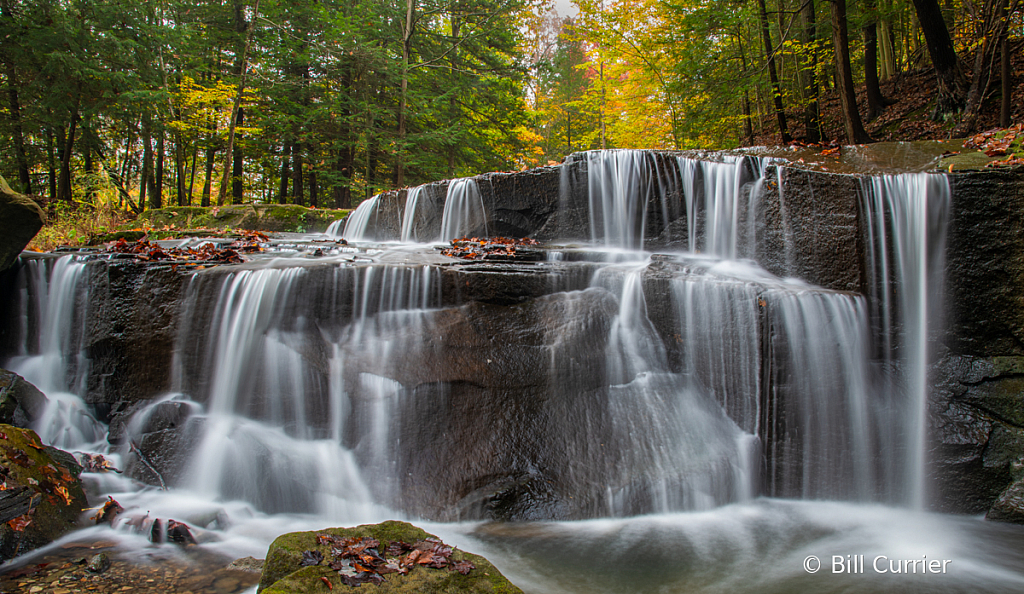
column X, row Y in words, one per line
column 855, row 132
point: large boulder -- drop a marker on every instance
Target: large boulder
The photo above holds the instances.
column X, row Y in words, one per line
column 47, row 494
column 21, row 403
column 290, row 566
column 20, row 220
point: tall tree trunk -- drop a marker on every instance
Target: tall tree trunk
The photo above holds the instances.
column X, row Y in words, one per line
column 951, row 80
column 232, row 156
column 24, row 179
column 156, row 189
column 344, row 163
column 399, row 176
column 282, row 194
column 1005, row 75
column 886, row 54
column 876, row 102
column 211, row 153
column 237, row 173
column 808, row 74
column 992, row 32
column 855, row 133
column 769, row 51
column 192, row 173
column 297, row 189
column 64, row 191
column 314, row 191
column 147, row 160
column 179, row 169
column 51, row 163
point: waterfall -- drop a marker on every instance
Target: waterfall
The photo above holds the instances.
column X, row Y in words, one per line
column 53, row 315
column 464, row 211
column 412, row 200
column 357, row 225
column 720, row 202
column 906, row 236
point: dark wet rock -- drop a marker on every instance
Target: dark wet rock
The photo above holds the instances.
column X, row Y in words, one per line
column 20, row 220
column 978, row 439
column 21, row 403
column 50, row 494
column 99, row 563
column 283, row 571
column 811, row 228
column 985, row 264
column 1009, row 507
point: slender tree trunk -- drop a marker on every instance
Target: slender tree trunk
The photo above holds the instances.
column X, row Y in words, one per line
column 232, row 157
column 237, row 172
column 314, row 191
column 192, row 173
column 51, row 163
column 179, row 169
column 24, row 179
column 211, row 153
column 855, row 133
column 156, row 190
column 64, row 191
column 886, row 54
column 147, row 160
column 780, row 114
column 748, row 130
column 402, row 107
column 297, row 166
column 951, row 80
column 808, row 73
column 282, row 194
column 876, row 102
column 1005, row 75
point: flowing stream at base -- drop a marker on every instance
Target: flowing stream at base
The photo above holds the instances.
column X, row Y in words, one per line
column 698, row 424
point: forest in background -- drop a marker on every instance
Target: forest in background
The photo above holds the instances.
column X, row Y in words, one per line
column 135, row 104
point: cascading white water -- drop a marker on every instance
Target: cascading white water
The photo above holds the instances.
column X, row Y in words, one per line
column 412, row 199
column 54, row 301
column 720, row 201
column 464, row 210
column 683, row 452
column 357, row 224
column 906, row 228
column 317, row 388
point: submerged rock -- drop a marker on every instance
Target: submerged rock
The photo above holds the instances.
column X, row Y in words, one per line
column 49, row 478
column 285, row 572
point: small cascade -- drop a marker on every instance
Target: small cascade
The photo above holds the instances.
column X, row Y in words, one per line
column 282, row 403
column 357, row 225
column 676, row 448
column 721, row 201
column 464, row 211
column 412, row 200
column 620, row 186
column 820, row 429
column 906, row 229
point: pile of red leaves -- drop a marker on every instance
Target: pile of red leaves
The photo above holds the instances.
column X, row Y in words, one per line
column 997, row 143
column 147, row 251
column 358, row 560
column 477, row 248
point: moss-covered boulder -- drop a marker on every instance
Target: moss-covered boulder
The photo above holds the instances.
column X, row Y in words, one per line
column 261, row 217
column 20, row 220
column 49, row 495
column 283, row 571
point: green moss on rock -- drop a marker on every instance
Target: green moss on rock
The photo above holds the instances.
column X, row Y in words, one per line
column 260, row 217
column 43, row 470
column 283, row 573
